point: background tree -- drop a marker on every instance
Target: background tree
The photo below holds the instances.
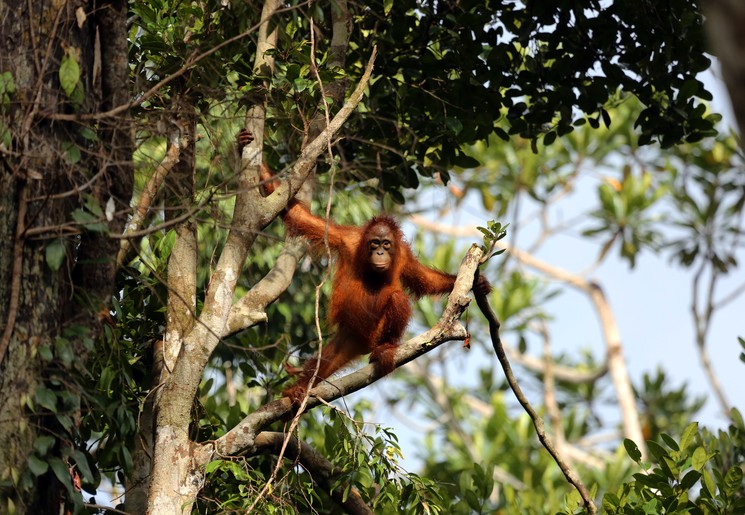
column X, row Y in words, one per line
column 66, row 184
column 174, row 393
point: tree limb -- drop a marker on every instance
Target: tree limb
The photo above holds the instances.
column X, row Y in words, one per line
column 148, row 194
column 287, row 189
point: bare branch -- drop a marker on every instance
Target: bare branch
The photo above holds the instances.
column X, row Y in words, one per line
column 540, row 430
column 148, row 194
column 250, row 309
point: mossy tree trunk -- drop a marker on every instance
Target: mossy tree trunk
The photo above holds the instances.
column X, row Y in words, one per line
column 65, row 187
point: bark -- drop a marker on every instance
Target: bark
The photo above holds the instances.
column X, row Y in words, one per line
column 41, row 181
column 725, row 19
column 178, row 175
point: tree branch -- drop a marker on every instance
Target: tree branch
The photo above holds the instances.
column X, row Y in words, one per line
column 251, row 308
column 287, row 189
column 540, row 430
column 148, row 194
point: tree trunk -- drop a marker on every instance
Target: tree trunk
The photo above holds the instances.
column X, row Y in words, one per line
column 59, row 62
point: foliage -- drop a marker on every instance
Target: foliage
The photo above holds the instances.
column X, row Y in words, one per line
column 714, row 464
column 366, row 460
column 507, row 68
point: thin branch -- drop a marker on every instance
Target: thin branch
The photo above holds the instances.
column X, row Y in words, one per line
column 702, row 323
column 545, row 440
column 148, row 194
column 251, row 308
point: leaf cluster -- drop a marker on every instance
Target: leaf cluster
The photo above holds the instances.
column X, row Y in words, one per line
column 455, row 73
column 697, row 460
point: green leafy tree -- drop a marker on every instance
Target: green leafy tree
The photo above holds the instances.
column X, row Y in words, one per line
column 134, row 348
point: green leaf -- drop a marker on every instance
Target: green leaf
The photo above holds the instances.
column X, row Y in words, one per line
column 610, row 501
column 733, row 480
column 465, row 161
column 37, row 466
column 657, row 450
column 606, row 117
column 89, row 221
column 699, row 459
column 737, row 418
column 549, row 138
column 212, row 466
column 454, row 125
column 69, row 73
column 632, row 450
column 670, row 441
column 88, row 133
column 71, row 152
column 45, row 353
column 43, row 443
column 472, row 500
column 46, row 398
column 689, row 434
column 63, row 349
column 55, row 253
column 690, row 479
column 62, row 472
column 708, row 483
column 81, row 461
